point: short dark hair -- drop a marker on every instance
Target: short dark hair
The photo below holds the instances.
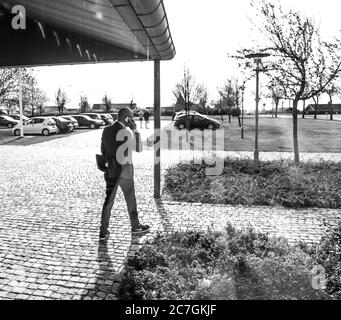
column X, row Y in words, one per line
column 124, row 112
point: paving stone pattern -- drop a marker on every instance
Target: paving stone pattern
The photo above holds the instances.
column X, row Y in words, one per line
column 51, row 196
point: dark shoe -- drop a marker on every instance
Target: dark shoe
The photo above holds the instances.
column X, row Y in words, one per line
column 140, row 229
column 105, row 237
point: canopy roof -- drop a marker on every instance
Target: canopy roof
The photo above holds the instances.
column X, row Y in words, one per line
column 85, row 31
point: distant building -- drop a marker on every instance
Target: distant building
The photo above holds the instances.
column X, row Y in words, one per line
column 167, row 111
column 53, row 111
column 323, row 109
column 114, row 107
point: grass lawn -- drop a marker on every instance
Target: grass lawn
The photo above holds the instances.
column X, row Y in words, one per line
column 275, row 135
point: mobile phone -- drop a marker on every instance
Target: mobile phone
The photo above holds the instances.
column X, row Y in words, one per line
column 127, row 120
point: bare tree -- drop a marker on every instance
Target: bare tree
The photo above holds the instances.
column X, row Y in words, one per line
column 203, row 96
column 238, row 101
column 333, row 90
column 84, row 104
column 61, row 100
column 226, row 93
column 40, row 100
column 132, row 104
column 107, row 103
column 276, row 94
column 187, row 93
column 230, row 93
column 298, row 55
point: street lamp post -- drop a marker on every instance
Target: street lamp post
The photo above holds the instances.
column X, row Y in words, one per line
column 258, row 62
column 21, row 125
column 243, row 91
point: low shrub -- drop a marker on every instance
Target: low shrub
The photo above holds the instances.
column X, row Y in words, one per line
column 273, row 183
column 327, row 254
column 231, row 265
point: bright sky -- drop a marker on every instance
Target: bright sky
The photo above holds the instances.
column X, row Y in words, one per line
column 204, row 32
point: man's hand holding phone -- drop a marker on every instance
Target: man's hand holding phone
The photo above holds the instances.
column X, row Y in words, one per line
column 131, row 123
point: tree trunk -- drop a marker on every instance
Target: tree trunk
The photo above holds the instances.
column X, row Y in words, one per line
column 331, row 107
column 295, row 131
column 187, row 125
column 276, row 108
column 316, row 107
column 229, row 114
column 303, row 113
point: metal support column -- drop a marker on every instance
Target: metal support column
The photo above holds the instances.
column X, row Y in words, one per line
column 256, row 156
column 157, row 131
column 21, row 105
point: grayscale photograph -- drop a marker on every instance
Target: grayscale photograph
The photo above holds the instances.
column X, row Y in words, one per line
column 186, row 151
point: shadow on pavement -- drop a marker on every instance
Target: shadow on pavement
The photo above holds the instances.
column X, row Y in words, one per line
column 106, row 282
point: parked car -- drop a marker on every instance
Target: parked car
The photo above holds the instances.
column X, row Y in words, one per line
column 17, row 117
column 197, row 121
column 85, row 121
column 107, row 118
column 183, row 113
column 7, row 122
column 73, row 120
column 63, row 125
column 37, row 125
column 94, row 116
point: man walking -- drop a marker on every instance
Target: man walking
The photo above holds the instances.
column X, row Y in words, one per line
column 118, row 144
column 146, row 117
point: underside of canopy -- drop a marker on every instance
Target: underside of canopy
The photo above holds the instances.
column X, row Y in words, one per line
column 84, row 31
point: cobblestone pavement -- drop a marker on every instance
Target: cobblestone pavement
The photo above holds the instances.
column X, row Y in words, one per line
column 51, row 195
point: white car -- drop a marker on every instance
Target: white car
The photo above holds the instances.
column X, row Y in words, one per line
column 37, row 125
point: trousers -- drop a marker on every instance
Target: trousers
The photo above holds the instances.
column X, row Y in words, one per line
column 128, row 188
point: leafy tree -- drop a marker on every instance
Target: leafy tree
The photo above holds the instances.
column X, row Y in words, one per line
column 302, row 64
column 61, row 100
column 8, row 81
column 10, row 104
column 33, row 97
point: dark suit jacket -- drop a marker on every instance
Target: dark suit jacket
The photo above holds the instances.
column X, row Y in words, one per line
column 109, row 147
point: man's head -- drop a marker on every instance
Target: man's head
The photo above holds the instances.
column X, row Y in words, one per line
column 124, row 113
